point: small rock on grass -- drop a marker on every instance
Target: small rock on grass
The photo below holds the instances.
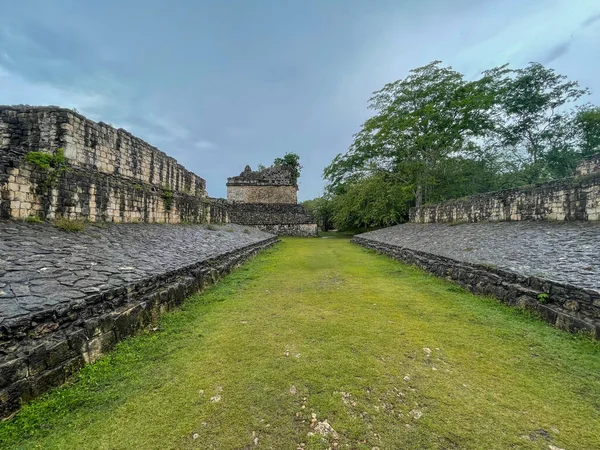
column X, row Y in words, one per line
column 416, row 414
column 324, row 429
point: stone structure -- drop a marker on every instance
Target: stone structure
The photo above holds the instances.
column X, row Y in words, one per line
column 107, row 174
column 526, row 264
column 277, row 218
column 267, row 199
column 589, row 165
column 67, row 298
column 270, row 185
column 576, row 198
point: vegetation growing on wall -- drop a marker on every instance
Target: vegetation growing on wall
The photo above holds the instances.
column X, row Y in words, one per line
column 47, row 161
column 52, row 165
column 292, row 162
column 436, row 136
column 167, row 196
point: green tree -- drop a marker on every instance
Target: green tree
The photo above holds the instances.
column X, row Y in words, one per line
column 587, row 122
column 420, row 122
column 374, row 201
column 321, row 209
column 535, row 125
column 292, row 162
column 436, row 136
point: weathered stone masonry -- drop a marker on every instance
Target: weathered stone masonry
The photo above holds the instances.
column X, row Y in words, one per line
column 589, row 165
column 110, row 174
column 270, row 185
column 267, row 199
column 279, row 219
column 65, row 300
column 576, row 198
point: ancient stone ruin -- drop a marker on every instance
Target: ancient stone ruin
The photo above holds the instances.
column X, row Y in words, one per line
column 267, row 199
column 67, row 298
column 55, row 163
column 574, row 198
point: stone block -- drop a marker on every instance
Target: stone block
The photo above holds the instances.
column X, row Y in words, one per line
column 100, row 345
column 12, row 371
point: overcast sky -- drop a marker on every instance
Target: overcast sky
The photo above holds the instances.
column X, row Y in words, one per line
column 222, row 84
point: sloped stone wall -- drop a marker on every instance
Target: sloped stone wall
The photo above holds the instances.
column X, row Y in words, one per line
column 567, row 306
column 69, row 298
column 110, row 175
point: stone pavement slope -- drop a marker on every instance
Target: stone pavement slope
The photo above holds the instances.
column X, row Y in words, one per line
column 43, row 268
column 565, row 252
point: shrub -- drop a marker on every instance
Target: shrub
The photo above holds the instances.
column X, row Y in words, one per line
column 33, row 219
column 543, row 298
column 167, row 196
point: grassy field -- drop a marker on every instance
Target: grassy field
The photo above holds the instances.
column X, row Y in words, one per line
column 320, row 329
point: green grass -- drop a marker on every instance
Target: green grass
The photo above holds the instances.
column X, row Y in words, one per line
column 71, row 226
column 320, row 326
column 33, row 219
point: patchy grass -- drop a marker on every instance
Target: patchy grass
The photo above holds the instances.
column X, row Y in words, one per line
column 339, row 234
column 391, row 357
column 71, row 226
column 33, row 219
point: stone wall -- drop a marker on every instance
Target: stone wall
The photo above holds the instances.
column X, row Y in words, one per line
column 563, row 305
column 589, row 165
column 271, row 185
column 108, row 174
column 576, row 198
column 41, row 350
column 280, row 219
column 262, row 194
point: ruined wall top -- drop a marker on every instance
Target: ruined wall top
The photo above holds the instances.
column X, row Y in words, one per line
column 271, row 176
column 589, row 165
column 93, row 146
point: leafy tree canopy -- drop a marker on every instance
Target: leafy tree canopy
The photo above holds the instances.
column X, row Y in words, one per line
column 435, row 135
column 291, row 161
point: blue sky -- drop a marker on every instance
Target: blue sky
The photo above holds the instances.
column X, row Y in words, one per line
column 222, row 84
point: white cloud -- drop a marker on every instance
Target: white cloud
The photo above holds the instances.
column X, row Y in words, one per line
column 204, row 144
column 172, row 129
column 16, row 90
